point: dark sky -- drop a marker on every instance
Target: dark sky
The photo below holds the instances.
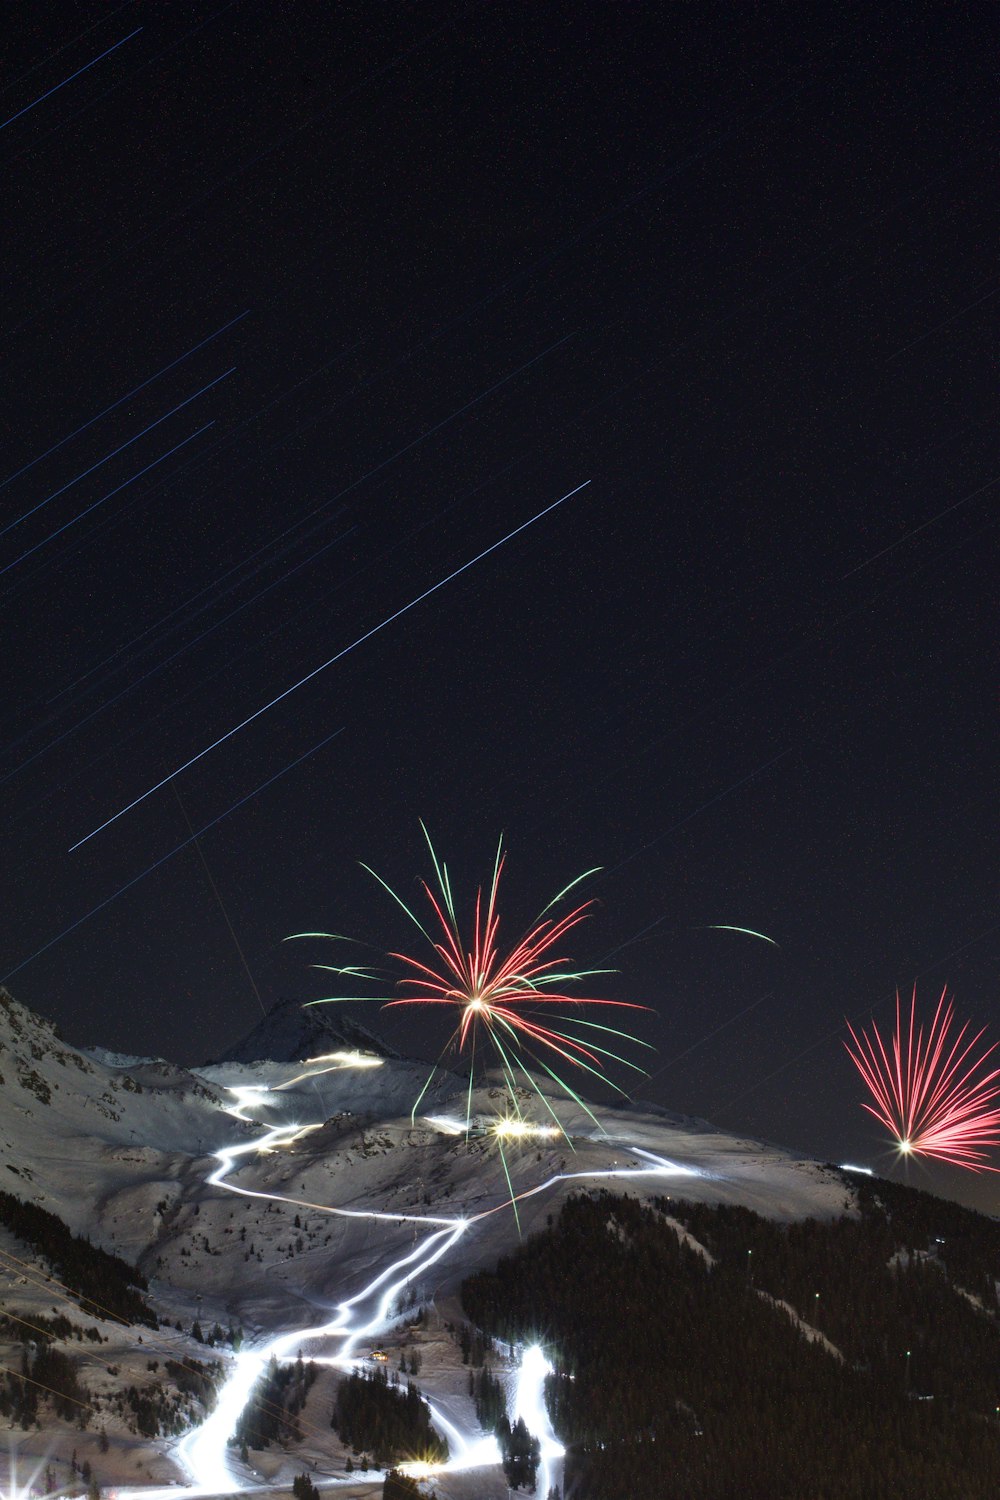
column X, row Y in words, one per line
column 731, row 265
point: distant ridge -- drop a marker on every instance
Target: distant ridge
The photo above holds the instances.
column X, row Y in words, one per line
column 292, row 1031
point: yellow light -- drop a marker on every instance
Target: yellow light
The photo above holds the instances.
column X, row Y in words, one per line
column 519, row 1128
column 348, row 1059
column 905, row 1147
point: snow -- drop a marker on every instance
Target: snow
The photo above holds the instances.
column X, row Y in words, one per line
column 144, row 1157
column 687, row 1238
column 292, row 1031
column 119, row 1060
column 811, row 1334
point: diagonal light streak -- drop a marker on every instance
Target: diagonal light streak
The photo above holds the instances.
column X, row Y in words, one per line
column 176, row 850
column 330, row 662
column 56, row 87
column 114, row 406
column 104, row 498
column 106, row 459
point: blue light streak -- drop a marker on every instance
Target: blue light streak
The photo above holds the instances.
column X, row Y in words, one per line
column 107, row 459
column 56, row 87
column 113, row 407
column 124, row 485
column 163, row 858
column 329, row 663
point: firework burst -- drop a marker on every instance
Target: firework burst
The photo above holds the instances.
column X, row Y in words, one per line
column 514, row 1005
column 930, row 1086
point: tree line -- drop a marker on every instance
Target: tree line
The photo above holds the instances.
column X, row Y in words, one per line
column 391, row 1422
column 104, row 1282
column 675, row 1377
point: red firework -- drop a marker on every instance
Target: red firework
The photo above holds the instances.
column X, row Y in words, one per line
column 930, row 1088
column 503, row 999
column 499, row 991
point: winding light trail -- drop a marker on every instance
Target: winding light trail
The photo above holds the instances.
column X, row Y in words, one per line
column 205, row 1453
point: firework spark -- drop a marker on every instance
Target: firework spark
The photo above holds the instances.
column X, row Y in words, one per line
column 748, row 931
column 503, row 1002
column 930, row 1086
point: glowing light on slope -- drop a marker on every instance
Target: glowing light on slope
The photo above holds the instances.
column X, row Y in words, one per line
column 246, row 1096
column 29, row 1488
column 529, row 1403
column 348, row 1059
column 447, row 1124
column 521, row 1129
column 418, row 1469
column 205, row 1451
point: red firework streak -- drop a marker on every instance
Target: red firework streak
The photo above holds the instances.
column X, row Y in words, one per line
column 506, row 999
column 502, row 992
column 930, row 1088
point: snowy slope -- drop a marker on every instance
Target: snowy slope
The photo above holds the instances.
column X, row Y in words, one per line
column 122, row 1153
column 123, row 1149
column 78, row 1136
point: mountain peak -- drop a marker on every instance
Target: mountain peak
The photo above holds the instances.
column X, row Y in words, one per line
column 29, row 1045
column 293, row 1031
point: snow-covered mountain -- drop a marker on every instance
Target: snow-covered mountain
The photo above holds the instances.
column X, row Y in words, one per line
column 124, row 1150
column 291, row 1032
column 75, row 1130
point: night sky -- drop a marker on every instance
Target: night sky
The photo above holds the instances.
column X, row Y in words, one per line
column 304, row 308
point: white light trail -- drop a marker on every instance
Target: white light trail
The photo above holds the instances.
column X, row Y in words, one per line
column 204, row 1452
column 351, row 1059
column 522, row 1129
column 529, row 1403
column 447, row 1124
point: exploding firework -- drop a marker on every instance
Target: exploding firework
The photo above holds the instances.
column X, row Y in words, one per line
column 509, row 1004
column 930, row 1087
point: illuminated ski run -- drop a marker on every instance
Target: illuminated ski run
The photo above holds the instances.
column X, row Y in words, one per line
column 205, row 1453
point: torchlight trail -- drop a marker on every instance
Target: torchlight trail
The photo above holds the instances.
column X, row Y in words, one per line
column 929, row 1086
column 330, row 662
column 205, row 1452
